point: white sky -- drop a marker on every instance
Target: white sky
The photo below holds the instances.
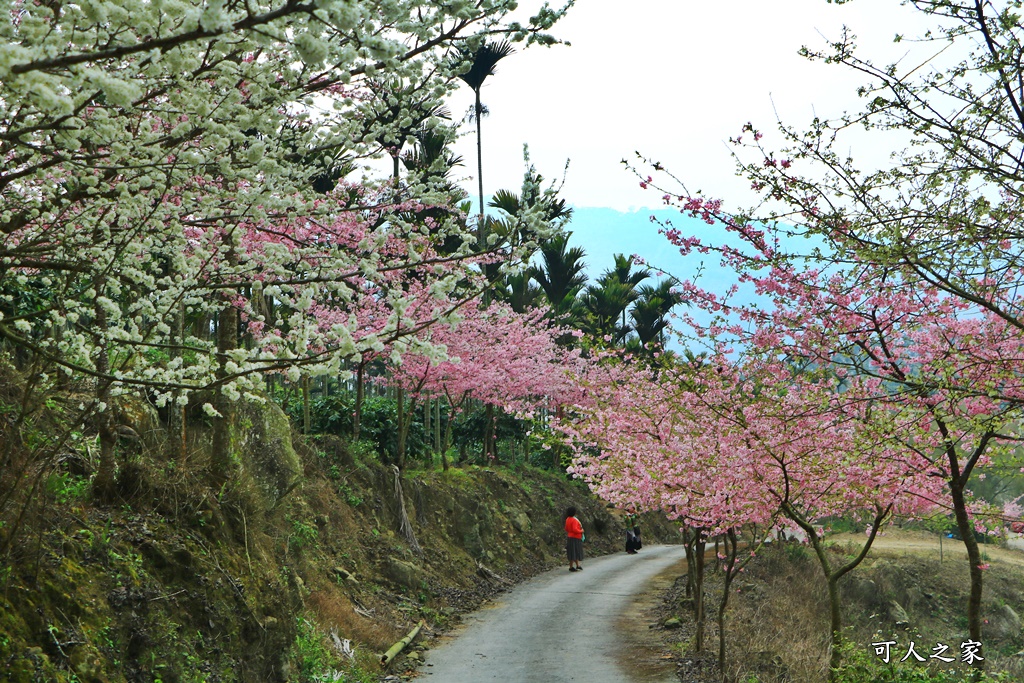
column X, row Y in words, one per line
column 673, row 79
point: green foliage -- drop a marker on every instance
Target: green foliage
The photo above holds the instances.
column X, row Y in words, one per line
column 378, row 424
column 317, row 663
column 302, row 535
column 469, row 431
column 351, row 495
column 67, row 488
column 796, row 552
column 362, row 451
column 860, row 665
column 843, row 525
column 314, row 659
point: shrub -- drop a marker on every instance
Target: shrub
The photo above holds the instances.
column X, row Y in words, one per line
column 862, row 666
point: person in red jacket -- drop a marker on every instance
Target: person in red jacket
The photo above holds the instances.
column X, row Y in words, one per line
column 574, row 544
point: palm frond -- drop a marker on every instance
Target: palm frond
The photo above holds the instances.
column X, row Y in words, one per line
column 482, row 62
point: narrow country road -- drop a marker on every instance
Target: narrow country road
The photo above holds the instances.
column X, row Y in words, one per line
column 557, row 627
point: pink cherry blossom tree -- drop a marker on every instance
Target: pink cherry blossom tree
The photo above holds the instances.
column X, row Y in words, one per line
column 491, row 354
column 945, row 368
column 720, row 445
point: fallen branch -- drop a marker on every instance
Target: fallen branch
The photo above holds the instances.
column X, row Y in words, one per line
column 488, row 574
column 390, row 655
column 165, row 597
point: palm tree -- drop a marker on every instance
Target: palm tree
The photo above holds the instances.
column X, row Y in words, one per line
column 430, row 161
column 397, row 112
column 431, row 158
column 553, row 210
column 606, row 301
column 624, row 273
column 561, row 276
column 650, row 312
column 482, row 62
column 520, row 292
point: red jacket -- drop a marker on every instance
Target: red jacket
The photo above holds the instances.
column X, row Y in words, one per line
column 573, row 527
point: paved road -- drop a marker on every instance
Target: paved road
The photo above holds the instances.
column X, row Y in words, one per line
column 555, row 628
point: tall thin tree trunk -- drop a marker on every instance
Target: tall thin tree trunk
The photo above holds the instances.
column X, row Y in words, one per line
column 405, row 417
column 556, row 452
column 305, row 404
column 691, row 564
column 489, row 433
column 176, row 412
column 730, row 574
column 698, row 590
column 428, row 412
column 222, row 460
column 446, row 443
column 437, row 426
column 832, row 576
column 103, row 484
column 360, row 394
column 480, row 170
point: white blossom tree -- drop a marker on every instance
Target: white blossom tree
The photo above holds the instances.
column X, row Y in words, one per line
column 165, row 225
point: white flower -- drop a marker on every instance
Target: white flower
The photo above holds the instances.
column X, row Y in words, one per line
column 311, row 49
column 214, row 18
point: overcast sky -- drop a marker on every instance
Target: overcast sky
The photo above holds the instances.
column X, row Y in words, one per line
column 673, row 79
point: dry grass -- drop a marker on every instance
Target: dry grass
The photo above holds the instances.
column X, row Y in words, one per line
column 334, row 610
column 777, row 620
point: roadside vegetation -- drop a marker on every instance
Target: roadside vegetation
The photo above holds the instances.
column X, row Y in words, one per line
column 252, row 334
column 904, row 593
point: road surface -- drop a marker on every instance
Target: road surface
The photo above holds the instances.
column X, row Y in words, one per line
column 559, row 626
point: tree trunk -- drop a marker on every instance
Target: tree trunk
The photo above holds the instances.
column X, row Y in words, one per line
column 966, row 529
column 698, row 590
column 447, row 442
column 222, row 460
column 691, row 564
column 730, row 574
column 485, row 438
column 428, row 411
column 305, row 404
column 490, row 434
column 103, row 484
column 832, row 577
column 404, row 423
column 481, row 235
column 176, row 412
column 437, row 426
column 555, row 451
column 357, row 414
